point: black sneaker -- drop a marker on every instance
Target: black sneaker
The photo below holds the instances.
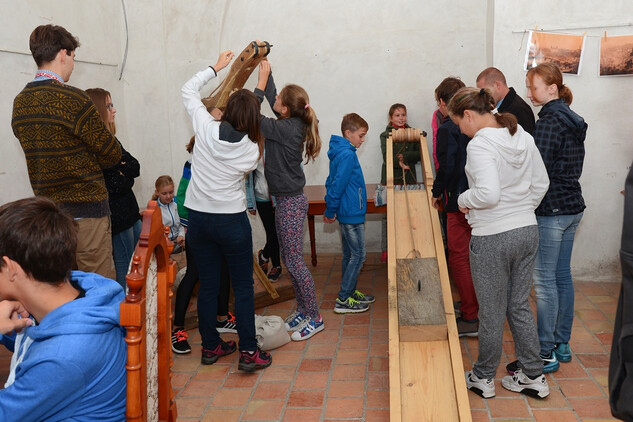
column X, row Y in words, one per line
column 209, row 357
column 263, row 262
column 179, row 343
column 467, row 328
column 363, row 298
column 274, row 273
column 550, row 364
column 251, row 361
column 229, row 325
column 349, row 306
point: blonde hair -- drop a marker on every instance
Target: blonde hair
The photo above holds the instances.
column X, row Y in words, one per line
column 551, row 74
column 296, row 99
column 161, row 182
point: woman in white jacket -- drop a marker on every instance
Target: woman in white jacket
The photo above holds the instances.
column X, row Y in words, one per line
column 507, row 180
column 228, row 146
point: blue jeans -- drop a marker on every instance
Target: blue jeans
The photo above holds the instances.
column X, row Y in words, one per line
column 123, row 245
column 552, row 279
column 211, row 237
column 353, row 241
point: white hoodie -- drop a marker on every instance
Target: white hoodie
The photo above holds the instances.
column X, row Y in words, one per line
column 507, row 180
column 218, row 166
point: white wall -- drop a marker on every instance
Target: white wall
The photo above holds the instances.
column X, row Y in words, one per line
column 359, row 56
column 604, row 102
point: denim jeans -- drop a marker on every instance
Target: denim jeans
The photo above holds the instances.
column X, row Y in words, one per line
column 552, row 279
column 353, row 242
column 211, row 237
column 123, row 245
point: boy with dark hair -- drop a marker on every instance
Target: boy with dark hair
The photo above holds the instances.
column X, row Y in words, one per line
column 63, row 327
column 67, row 146
column 346, row 201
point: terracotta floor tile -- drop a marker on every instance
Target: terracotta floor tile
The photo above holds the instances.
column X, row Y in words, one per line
column 317, row 350
column 555, row 400
column 346, row 389
column 357, row 319
column 587, row 346
column 287, row 357
column 352, row 356
column 306, row 398
column 232, row 397
column 554, row 415
column 348, row 372
column 571, row 369
column 378, row 363
column 355, row 331
column 185, row 364
column 276, row 390
column 191, row 407
column 201, row 388
column 377, row 400
column 214, row 414
column 215, row 371
column 263, row 410
column 302, row 415
column 515, row 408
column 178, row 379
column 378, row 380
column 315, row 365
column 239, row 379
column 480, row 415
column 278, row 373
column 594, row 360
column 344, row 408
column 586, row 408
column 379, row 349
column 376, row 415
column 582, row 387
column 354, row 343
column 311, row 380
column 590, row 315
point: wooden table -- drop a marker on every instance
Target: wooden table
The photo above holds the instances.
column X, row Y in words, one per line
column 316, row 206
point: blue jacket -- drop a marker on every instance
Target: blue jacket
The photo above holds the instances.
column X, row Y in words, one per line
column 72, row 364
column 345, row 185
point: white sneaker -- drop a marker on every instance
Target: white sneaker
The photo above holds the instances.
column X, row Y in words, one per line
column 309, row 327
column 294, row 321
column 521, row 383
column 484, row 387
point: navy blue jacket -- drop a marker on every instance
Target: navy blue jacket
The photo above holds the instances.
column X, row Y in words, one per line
column 559, row 135
column 450, row 179
column 345, row 185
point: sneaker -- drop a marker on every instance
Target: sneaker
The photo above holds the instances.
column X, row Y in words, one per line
column 309, row 328
column 467, row 328
column 550, row 364
column 562, row 352
column 209, row 357
column 263, row 262
column 363, row 298
column 349, row 306
column 274, row 273
column 179, row 343
column 294, row 320
column 383, row 256
column 483, row 387
column 521, row 383
column 229, row 325
column 251, row 361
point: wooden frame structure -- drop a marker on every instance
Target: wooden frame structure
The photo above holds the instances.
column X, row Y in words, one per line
column 149, row 393
column 426, row 372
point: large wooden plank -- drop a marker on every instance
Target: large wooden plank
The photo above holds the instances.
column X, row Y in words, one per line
column 413, row 237
column 427, row 388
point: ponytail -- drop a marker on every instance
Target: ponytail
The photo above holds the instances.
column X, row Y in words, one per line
column 481, row 102
column 296, row 99
column 551, row 75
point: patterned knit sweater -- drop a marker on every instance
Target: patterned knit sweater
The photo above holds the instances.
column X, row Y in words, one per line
column 66, row 146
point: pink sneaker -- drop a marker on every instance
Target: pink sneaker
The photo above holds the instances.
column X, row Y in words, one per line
column 250, row 361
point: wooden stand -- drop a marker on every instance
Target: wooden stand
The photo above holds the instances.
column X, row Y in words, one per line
column 145, row 313
column 239, row 73
column 426, row 372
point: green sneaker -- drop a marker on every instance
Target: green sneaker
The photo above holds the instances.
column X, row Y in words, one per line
column 350, row 306
column 363, row 298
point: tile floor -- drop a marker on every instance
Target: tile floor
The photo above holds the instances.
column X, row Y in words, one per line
column 342, row 373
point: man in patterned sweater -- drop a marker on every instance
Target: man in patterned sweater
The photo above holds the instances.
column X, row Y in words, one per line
column 67, row 146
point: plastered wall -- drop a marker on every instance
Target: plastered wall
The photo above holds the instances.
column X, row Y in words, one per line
column 358, row 56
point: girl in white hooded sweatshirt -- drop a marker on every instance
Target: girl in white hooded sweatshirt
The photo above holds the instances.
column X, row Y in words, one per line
column 507, row 180
column 228, row 146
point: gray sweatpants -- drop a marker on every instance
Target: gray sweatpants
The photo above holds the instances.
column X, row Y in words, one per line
column 501, row 266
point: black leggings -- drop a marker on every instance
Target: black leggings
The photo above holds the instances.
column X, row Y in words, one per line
column 267, row 215
column 186, row 286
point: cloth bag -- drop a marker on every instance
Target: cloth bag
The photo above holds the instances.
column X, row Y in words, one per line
column 270, row 331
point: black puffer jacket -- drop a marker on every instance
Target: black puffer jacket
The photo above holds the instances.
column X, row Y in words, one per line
column 119, row 181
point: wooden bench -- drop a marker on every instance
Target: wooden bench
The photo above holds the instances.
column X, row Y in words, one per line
column 146, row 314
column 426, row 372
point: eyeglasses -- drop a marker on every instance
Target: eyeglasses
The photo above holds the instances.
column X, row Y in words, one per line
column 110, row 106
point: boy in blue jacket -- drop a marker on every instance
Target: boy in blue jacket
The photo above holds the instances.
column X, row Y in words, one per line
column 346, row 201
column 69, row 351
